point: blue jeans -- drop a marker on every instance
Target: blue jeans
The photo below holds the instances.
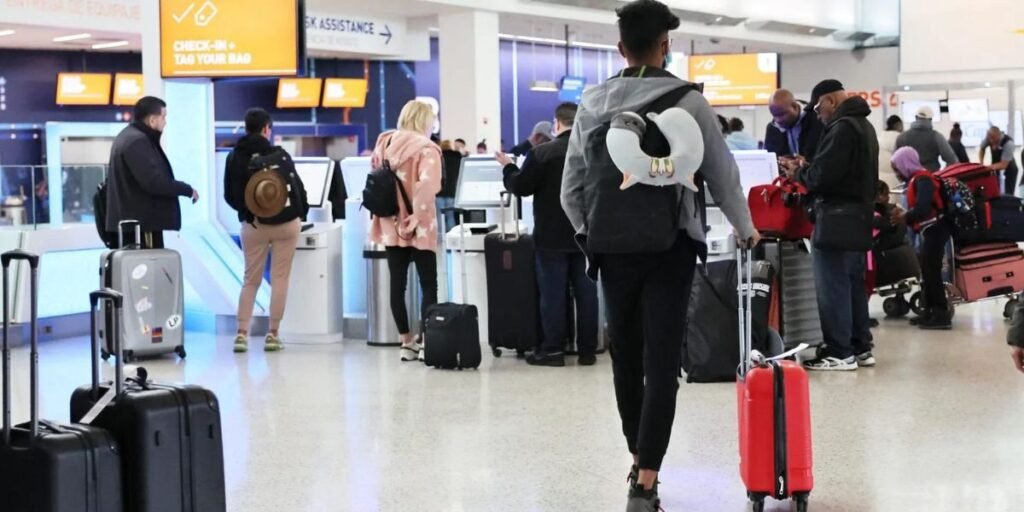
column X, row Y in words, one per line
column 446, row 220
column 556, row 271
column 842, row 301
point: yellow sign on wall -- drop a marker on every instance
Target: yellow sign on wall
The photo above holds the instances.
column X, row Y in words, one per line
column 345, row 92
column 216, row 38
column 298, row 92
column 83, row 89
column 740, row 79
column 128, row 88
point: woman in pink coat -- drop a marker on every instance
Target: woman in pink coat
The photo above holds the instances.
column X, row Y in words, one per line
column 411, row 237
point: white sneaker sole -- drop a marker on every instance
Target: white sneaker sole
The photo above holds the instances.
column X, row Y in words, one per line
column 844, row 368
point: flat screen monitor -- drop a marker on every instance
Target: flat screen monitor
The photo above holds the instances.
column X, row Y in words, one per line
column 354, row 171
column 968, row 110
column 83, row 89
column 736, row 79
column 757, row 167
column 315, row 174
column 231, row 38
column 299, row 92
column 481, row 183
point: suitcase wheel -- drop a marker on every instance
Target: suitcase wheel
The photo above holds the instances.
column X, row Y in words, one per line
column 129, row 356
column 104, row 354
column 896, row 307
column 1008, row 309
column 915, row 304
column 757, row 503
column 802, row 502
column 496, row 351
column 180, row 350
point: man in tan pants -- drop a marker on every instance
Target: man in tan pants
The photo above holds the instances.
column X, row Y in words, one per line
column 277, row 235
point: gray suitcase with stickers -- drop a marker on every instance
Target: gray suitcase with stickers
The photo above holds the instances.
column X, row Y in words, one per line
column 153, row 322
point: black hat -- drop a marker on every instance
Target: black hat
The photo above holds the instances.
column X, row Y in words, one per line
column 825, row 87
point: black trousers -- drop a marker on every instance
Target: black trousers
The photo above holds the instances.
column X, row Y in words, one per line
column 933, row 248
column 399, row 259
column 647, row 297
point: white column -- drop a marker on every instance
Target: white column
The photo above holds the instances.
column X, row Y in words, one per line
column 470, row 87
column 189, row 139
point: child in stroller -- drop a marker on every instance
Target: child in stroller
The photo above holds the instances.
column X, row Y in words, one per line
column 896, row 269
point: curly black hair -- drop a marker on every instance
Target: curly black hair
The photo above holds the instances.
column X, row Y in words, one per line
column 642, row 23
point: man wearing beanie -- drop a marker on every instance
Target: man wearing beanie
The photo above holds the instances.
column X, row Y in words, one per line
column 842, row 179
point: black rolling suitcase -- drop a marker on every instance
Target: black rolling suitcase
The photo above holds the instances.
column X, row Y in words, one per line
column 451, row 332
column 513, row 315
column 170, row 435
column 47, row 466
column 711, row 344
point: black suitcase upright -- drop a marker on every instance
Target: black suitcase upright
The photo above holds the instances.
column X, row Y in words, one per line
column 1002, row 221
column 170, row 435
column 513, row 309
column 46, row 466
column 451, row 331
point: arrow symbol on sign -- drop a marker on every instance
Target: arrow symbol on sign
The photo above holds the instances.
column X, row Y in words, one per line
column 387, row 34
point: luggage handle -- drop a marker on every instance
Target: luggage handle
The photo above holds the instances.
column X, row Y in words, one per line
column 744, row 303
column 33, row 261
column 116, row 301
column 138, row 234
column 514, row 206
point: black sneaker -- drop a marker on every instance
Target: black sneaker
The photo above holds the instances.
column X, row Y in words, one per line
column 643, row 500
column 936, row 323
column 542, row 359
column 587, row 360
column 872, row 322
column 634, row 475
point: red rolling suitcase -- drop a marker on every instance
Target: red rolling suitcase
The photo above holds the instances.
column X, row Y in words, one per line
column 989, row 270
column 774, row 414
column 47, row 466
column 979, row 178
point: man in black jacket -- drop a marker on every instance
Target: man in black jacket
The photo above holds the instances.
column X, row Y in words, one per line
column 844, row 170
column 795, row 130
column 559, row 260
column 141, row 184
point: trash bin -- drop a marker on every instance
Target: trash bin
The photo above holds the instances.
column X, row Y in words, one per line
column 381, row 330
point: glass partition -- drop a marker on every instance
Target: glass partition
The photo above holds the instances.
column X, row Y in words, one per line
column 25, row 193
column 79, row 183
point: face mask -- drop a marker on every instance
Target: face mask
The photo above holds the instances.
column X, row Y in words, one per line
column 667, row 61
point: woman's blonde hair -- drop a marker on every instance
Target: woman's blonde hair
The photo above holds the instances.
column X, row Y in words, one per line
column 416, row 116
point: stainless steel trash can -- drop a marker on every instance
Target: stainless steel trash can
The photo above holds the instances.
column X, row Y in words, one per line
column 381, row 330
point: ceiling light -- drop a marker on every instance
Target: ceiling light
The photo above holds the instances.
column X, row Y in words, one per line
column 719, row 19
column 6, row 32
column 72, row 37
column 543, row 86
column 811, row 30
column 906, row 87
column 111, row 44
column 988, row 84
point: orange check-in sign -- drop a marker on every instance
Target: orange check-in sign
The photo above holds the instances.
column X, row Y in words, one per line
column 345, row 92
column 128, row 88
column 740, row 79
column 83, row 89
column 298, row 92
column 216, row 38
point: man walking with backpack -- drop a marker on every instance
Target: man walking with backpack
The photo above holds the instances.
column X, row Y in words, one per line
column 644, row 240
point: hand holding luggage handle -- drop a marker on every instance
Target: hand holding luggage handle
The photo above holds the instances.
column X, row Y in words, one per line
column 33, row 262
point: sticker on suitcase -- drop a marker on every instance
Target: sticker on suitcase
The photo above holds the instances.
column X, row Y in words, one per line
column 173, row 322
column 143, row 305
column 140, row 271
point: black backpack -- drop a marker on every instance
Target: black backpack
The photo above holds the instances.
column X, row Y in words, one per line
column 379, row 193
column 640, row 219
column 99, row 208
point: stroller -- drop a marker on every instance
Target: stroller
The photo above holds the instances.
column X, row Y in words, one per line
column 895, row 271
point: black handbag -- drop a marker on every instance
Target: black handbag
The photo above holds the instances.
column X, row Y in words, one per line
column 842, row 226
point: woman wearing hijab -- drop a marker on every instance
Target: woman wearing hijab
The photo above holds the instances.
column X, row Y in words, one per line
column 924, row 200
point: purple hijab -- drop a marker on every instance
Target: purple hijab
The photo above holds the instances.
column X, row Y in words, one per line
column 906, row 161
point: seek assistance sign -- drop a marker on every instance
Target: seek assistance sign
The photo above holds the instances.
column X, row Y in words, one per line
column 223, row 38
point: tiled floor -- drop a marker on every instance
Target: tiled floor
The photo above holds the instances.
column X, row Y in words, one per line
column 937, row 426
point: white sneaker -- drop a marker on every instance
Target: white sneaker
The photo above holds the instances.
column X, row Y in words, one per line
column 832, row 364
column 866, row 360
column 411, row 352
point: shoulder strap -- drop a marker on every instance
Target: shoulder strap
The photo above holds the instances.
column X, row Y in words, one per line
column 401, row 190
column 668, row 100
